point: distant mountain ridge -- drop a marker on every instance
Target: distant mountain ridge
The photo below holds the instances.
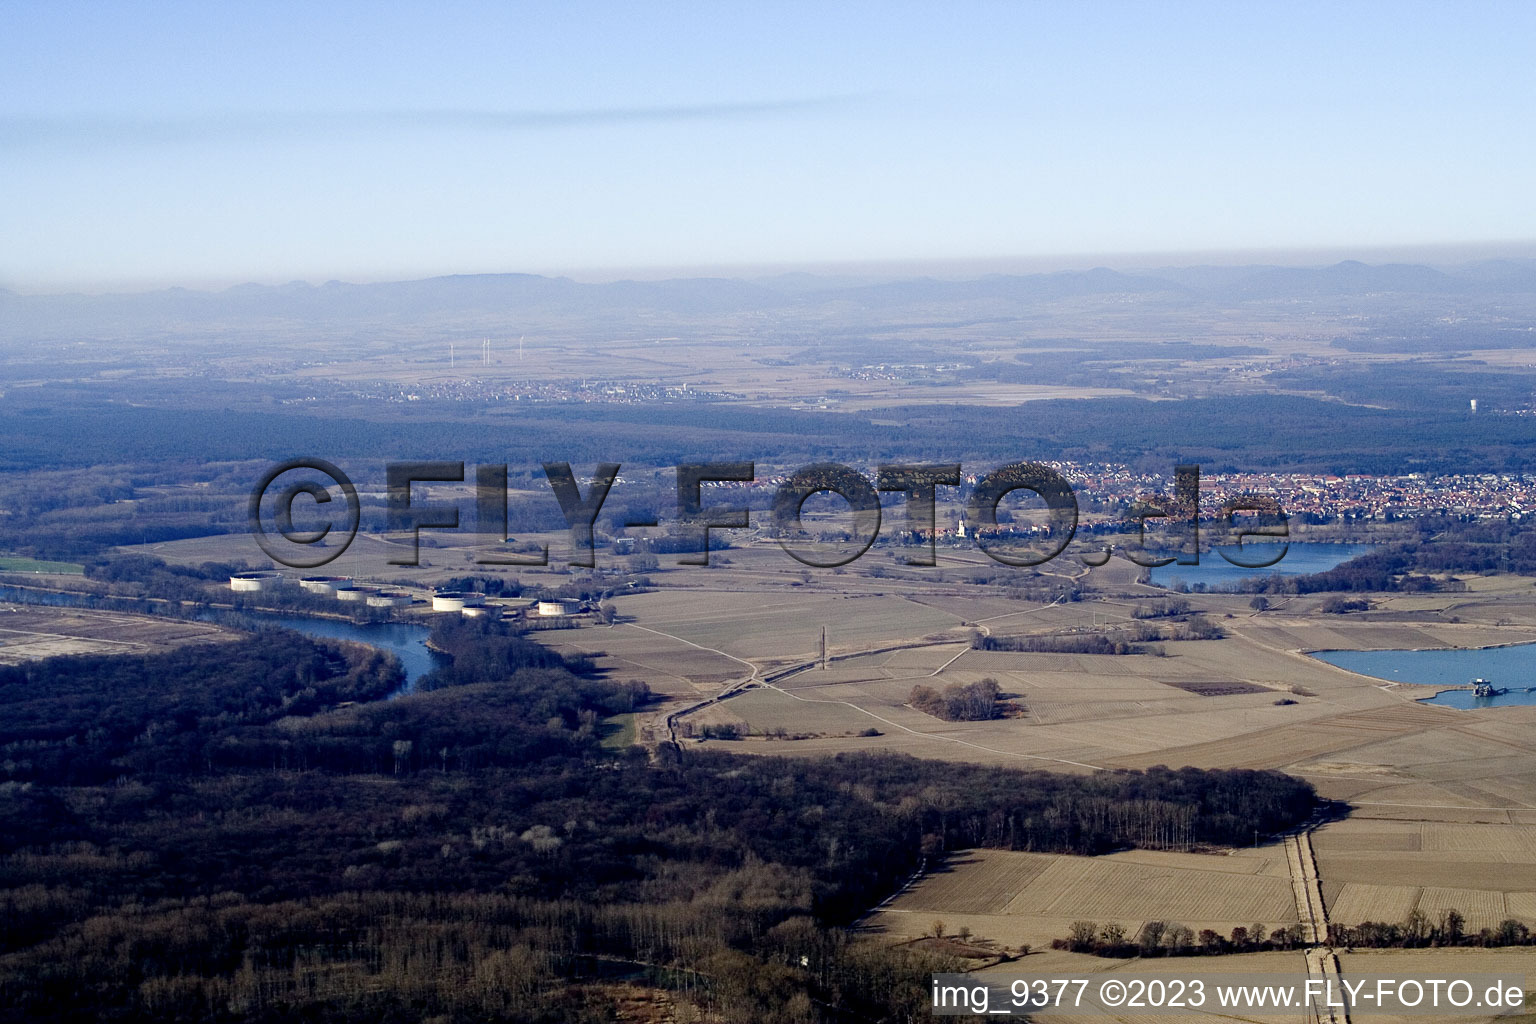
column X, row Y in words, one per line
column 532, row 294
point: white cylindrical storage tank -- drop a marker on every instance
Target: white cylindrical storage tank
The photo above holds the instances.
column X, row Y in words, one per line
column 482, row 611
column 253, row 582
column 389, row 599
column 455, row 600
column 550, row 608
column 324, row 585
column 352, row 593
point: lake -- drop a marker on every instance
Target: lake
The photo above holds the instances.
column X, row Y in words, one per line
column 1300, row 559
column 1512, row 667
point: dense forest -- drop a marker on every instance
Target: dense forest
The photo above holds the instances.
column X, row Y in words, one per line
column 244, row 832
column 1248, row 432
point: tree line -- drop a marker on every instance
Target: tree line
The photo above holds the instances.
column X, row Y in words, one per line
column 1164, row 938
column 1418, row 929
column 1170, row 938
column 1133, row 641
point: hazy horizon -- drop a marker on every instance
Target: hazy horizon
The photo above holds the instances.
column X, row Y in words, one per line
column 203, row 145
column 1439, row 256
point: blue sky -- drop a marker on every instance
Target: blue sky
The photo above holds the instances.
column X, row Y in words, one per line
column 204, row 144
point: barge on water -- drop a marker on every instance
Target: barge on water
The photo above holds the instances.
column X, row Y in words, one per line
column 1484, row 688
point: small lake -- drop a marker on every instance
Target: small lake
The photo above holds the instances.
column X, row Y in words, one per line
column 1300, row 559
column 405, row 640
column 1512, row 667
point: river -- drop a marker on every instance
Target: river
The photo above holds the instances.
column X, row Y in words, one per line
column 405, row 640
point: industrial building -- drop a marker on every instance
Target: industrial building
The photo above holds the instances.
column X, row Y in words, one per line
column 325, row 586
column 255, row 582
column 456, row 600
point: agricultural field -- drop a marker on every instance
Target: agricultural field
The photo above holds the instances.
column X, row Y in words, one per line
column 775, row 629
column 441, row 554
column 1358, row 902
column 769, row 712
column 1380, row 870
column 29, row 632
column 1229, row 703
column 1442, row 758
column 671, row 666
column 11, row 563
column 1016, row 898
